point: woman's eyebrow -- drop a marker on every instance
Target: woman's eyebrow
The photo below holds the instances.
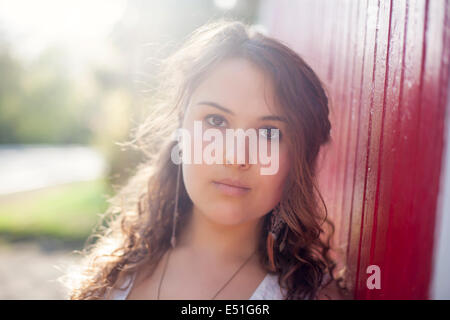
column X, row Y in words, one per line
column 218, row 106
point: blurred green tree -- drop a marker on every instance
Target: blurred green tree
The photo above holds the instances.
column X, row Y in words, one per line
column 38, row 102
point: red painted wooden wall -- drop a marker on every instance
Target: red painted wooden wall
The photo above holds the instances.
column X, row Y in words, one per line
column 386, row 67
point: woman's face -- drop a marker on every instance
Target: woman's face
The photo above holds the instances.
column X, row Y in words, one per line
column 235, row 95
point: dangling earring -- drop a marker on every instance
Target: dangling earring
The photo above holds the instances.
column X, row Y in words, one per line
column 276, row 224
column 175, row 211
column 283, row 242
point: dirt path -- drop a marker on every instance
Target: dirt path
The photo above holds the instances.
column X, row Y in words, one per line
column 27, row 271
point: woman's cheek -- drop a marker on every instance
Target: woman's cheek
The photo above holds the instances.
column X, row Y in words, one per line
column 269, row 192
column 272, row 185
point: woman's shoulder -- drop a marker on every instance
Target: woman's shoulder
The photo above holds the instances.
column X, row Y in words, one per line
column 269, row 289
column 122, row 292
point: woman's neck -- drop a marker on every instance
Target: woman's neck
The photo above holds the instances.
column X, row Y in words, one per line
column 229, row 242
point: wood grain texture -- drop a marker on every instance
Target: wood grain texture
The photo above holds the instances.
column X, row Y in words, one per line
column 385, row 65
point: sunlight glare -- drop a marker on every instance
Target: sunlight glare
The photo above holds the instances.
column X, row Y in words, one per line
column 76, row 24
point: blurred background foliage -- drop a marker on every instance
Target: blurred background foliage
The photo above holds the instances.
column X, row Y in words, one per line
column 57, row 98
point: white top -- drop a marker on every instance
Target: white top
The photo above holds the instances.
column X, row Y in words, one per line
column 268, row 289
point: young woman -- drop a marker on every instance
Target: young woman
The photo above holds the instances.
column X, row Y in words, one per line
column 222, row 230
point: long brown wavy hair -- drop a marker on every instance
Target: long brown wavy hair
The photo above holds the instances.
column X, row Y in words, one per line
column 135, row 230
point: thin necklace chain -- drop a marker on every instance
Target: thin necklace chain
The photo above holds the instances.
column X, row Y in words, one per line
column 165, row 268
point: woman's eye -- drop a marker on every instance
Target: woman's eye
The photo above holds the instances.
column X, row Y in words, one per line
column 215, row 120
column 270, row 133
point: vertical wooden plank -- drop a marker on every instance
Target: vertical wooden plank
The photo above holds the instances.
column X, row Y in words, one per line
column 402, row 219
column 354, row 220
column 353, row 61
column 388, row 152
column 428, row 155
column 334, row 72
column 376, row 119
column 345, row 73
column 363, row 238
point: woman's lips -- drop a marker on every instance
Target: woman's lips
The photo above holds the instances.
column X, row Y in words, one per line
column 230, row 190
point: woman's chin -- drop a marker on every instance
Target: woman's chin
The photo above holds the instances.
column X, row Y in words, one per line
column 228, row 217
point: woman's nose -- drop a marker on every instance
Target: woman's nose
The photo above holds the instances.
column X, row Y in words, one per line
column 230, row 164
column 237, row 155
